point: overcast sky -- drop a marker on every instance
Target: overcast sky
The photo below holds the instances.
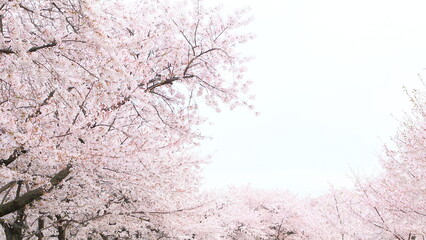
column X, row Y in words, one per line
column 328, row 76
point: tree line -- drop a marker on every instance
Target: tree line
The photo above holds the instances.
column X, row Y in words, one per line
column 99, row 108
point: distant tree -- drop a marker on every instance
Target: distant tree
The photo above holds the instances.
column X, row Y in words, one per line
column 397, row 196
column 391, row 205
column 98, row 103
column 249, row 213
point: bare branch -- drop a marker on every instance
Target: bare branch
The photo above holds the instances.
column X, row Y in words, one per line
column 16, row 153
column 6, row 50
column 164, row 82
column 33, row 195
column 378, row 213
column 25, row 8
column 1, row 23
column 66, row 18
column 159, row 116
column 117, row 105
column 7, row 186
column 189, row 65
column 45, row 101
column 84, row 68
column 33, row 49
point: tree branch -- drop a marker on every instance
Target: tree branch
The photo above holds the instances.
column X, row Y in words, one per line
column 66, row 18
column 7, row 186
column 16, row 153
column 25, row 8
column 9, row 50
column 6, row 50
column 45, row 102
column 1, row 22
column 33, row 49
column 164, row 82
column 33, row 195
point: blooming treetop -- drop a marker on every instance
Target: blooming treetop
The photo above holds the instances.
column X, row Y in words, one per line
column 98, row 100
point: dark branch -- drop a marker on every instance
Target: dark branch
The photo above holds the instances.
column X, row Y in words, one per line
column 25, row 8
column 16, row 153
column 189, row 65
column 33, row 195
column 7, row 186
column 66, row 18
column 45, row 102
column 33, row 49
column 61, row 175
column 84, row 68
column 164, row 82
column 1, row 23
column 117, row 105
column 48, row 98
column 6, row 50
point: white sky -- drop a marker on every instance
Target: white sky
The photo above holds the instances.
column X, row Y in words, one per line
column 328, row 76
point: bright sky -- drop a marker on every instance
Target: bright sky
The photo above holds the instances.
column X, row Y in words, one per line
column 328, row 76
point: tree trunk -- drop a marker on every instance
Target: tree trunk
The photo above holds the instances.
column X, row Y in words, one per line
column 62, row 233
column 62, row 228
column 39, row 234
column 12, row 231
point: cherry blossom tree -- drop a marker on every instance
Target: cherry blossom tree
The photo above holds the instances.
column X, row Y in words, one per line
column 388, row 206
column 99, row 108
column 250, row 213
column 397, row 195
column 340, row 214
column 98, row 103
